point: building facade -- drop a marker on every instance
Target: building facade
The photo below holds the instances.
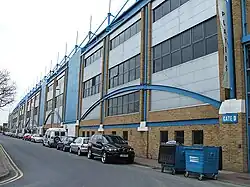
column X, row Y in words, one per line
column 162, row 70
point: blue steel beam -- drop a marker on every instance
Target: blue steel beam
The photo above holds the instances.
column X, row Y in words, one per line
column 245, row 41
column 163, row 88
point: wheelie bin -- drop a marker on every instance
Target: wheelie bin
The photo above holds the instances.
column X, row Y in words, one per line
column 202, row 161
column 172, row 157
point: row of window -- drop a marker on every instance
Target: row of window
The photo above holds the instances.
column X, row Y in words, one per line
column 193, row 43
column 166, row 7
column 125, row 35
column 124, row 104
column 125, row 72
column 92, row 58
column 92, row 86
column 197, row 137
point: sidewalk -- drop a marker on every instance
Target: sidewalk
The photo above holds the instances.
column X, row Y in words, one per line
column 224, row 176
column 4, row 170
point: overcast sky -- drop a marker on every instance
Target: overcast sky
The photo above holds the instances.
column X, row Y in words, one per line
column 32, row 32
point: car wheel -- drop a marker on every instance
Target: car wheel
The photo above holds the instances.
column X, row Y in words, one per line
column 70, row 150
column 104, row 158
column 90, row 156
column 79, row 153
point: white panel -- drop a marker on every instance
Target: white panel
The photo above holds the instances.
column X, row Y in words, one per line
column 200, row 75
column 186, row 16
column 126, row 25
column 87, row 102
column 131, row 83
column 126, row 50
column 92, row 70
column 95, row 48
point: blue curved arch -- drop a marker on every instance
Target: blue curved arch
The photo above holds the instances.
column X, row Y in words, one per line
column 49, row 114
column 163, row 88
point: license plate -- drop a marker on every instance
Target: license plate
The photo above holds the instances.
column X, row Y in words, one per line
column 124, row 156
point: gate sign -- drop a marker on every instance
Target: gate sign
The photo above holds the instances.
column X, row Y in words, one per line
column 230, row 118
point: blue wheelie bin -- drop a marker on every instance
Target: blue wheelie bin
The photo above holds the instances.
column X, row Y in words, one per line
column 172, row 157
column 202, row 161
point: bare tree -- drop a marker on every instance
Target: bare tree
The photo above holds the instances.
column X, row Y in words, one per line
column 7, row 89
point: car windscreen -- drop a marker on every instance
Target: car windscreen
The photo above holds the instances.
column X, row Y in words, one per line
column 115, row 139
column 63, row 133
column 85, row 140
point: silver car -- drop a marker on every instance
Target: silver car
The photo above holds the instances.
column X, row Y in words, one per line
column 36, row 138
column 79, row 146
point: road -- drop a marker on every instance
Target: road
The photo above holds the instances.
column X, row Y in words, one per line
column 46, row 167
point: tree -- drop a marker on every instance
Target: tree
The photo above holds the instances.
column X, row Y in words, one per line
column 7, row 89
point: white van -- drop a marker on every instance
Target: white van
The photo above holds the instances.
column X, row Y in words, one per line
column 53, row 135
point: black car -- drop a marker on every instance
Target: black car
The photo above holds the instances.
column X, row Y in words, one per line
column 64, row 143
column 110, row 148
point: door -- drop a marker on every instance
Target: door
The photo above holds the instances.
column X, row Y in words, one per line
column 99, row 145
column 75, row 143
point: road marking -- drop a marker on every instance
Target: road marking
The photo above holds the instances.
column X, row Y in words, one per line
column 19, row 173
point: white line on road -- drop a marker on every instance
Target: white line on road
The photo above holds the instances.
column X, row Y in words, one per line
column 18, row 172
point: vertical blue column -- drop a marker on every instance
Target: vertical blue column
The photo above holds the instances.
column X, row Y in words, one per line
column 42, row 103
column 145, row 63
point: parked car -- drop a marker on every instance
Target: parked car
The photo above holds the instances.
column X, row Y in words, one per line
column 27, row 136
column 20, row 135
column 64, row 143
column 110, row 148
column 79, row 146
column 36, row 138
column 53, row 136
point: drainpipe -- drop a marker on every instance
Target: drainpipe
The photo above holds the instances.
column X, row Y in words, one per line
column 231, row 50
column 244, row 33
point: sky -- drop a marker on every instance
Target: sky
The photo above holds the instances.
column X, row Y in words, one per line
column 33, row 32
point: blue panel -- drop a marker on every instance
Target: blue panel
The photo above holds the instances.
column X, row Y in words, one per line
column 42, row 104
column 184, row 123
column 245, row 39
column 72, row 87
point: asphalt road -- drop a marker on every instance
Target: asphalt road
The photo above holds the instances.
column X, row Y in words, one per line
column 47, row 167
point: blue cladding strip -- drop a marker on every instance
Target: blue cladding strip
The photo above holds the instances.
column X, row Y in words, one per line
column 170, row 89
column 231, row 50
column 145, row 63
column 245, row 40
column 158, row 124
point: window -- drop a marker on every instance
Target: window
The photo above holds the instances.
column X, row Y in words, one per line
column 93, row 132
column 83, row 133
column 163, row 136
column 125, row 135
column 49, row 105
column 36, row 111
column 92, row 86
column 179, row 137
column 125, row 35
column 166, row 7
column 124, row 72
column 125, row 104
column 197, row 137
column 191, row 44
column 93, row 57
column 87, row 133
column 114, row 132
column 59, row 101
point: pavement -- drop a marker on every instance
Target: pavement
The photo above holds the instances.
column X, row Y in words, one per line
column 224, row 176
column 46, row 167
column 4, row 168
